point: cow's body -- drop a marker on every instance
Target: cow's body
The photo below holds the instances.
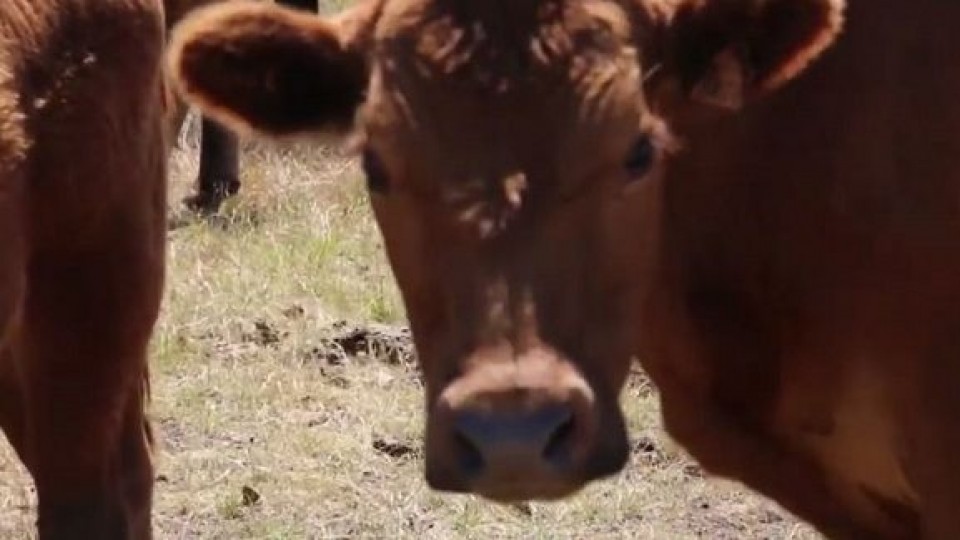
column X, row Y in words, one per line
column 789, row 276
column 82, row 206
column 803, row 320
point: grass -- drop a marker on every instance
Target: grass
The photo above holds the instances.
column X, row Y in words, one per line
column 265, row 434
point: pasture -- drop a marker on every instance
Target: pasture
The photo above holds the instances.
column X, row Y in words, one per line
column 286, row 403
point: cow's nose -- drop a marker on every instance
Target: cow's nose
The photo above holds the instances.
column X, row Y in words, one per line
column 512, row 443
column 497, row 440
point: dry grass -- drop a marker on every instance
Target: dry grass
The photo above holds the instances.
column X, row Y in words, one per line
column 264, row 434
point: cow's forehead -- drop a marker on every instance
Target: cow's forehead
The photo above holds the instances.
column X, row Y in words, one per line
column 498, row 45
column 482, row 83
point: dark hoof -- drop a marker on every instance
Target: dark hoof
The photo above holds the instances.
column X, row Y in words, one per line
column 212, row 191
column 203, row 204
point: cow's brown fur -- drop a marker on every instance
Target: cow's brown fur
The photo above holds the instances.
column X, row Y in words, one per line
column 802, row 319
column 82, row 206
column 788, row 279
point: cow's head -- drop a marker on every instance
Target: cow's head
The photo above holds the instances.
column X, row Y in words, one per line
column 512, row 160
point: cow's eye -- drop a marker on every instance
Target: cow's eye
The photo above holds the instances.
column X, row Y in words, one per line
column 640, row 158
column 377, row 178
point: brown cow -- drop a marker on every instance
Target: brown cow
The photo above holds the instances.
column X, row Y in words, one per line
column 218, row 177
column 82, row 206
column 790, row 280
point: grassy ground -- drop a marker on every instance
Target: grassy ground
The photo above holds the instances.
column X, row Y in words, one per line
column 271, row 425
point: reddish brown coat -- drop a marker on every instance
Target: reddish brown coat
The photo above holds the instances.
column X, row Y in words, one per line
column 82, row 206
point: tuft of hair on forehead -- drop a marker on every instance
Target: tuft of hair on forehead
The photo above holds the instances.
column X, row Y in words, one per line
column 498, row 45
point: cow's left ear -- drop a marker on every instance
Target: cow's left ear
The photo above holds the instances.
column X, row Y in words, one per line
column 258, row 67
column 727, row 52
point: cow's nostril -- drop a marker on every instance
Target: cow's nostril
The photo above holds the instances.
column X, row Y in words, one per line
column 560, row 443
column 505, row 440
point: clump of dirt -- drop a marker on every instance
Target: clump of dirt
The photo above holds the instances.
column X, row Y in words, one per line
column 343, row 341
column 263, row 334
column 648, row 452
column 249, row 496
column 393, row 448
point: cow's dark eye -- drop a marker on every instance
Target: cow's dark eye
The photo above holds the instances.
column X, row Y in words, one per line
column 376, row 173
column 640, row 158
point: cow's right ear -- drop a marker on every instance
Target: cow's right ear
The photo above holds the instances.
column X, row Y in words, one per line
column 728, row 52
column 257, row 67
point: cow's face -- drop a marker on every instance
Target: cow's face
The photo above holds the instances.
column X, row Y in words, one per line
column 513, row 163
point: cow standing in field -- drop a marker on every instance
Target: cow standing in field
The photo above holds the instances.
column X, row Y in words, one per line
column 82, row 206
column 219, row 175
column 790, row 279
